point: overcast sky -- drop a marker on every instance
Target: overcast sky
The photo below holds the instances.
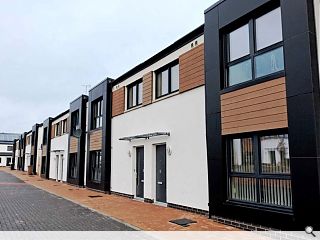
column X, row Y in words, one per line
column 50, row 48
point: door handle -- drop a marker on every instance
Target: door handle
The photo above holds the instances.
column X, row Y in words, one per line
column 142, row 180
column 160, row 183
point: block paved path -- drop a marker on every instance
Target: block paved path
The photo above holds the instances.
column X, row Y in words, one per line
column 24, row 207
column 144, row 216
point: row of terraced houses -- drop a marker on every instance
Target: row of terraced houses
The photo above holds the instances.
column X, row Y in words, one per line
column 225, row 121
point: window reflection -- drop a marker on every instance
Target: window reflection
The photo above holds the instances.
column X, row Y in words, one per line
column 242, row 155
column 275, row 154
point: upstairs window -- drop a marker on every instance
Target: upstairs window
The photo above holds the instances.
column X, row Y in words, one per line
column 167, row 80
column 9, row 148
column 57, row 129
column 64, row 126
column 255, row 49
column 45, row 136
column 74, row 121
column 97, row 113
column 134, row 94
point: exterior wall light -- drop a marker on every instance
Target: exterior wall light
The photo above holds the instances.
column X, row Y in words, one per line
column 169, row 150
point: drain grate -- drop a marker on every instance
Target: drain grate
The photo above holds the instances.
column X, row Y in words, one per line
column 94, row 196
column 184, row 222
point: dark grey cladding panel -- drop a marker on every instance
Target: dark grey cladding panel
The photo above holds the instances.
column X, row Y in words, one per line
column 212, row 62
column 76, row 104
column 98, row 91
column 232, row 10
column 293, row 17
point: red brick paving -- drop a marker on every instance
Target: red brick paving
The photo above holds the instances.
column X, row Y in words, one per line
column 145, row 216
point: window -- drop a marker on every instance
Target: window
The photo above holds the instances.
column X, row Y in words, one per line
column 95, row 166
column 134, row 94
column 74, row 121
column 268, row 29
column 259, row 170
column 28, row 142
column 167, row 80
column 239, row 43
column 9, row 148
column 45, row 136
column 8, row 161
column 73, row 165
column 57, row 128
column 64, row 126
column 43, row 165
column 97, row 112
column 255, row 50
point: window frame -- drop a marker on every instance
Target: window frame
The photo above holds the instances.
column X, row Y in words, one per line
column 168, row 67
column 253, row 54
column 73, row 156
column 99, row 111
column 132, row 85
column 45, row 136
column 97, row 155
column 73, row 128
column 257, row 174
column 64, row 124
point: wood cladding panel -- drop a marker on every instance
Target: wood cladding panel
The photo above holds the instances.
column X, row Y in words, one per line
column 118, row 102
column 53, row 128
column 73, row 145
column 147, row 88
column 44, row 150
column 191, row 69
column 259, row 107
column 96, row 140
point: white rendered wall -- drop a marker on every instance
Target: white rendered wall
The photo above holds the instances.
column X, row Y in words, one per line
column 17, row 154
column 4, row 149
column 39, row 149
column 27, row 155
column 183, row 116
column 59, row 146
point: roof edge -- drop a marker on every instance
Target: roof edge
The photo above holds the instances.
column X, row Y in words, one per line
column 163, row 53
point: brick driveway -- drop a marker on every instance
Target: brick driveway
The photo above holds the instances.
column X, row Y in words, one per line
column 24, row 207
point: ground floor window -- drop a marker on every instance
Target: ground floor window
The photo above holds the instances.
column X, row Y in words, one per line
column 259, row 170
column 8, row 161
column 73, row 165
column 43, row 165
column 95, row 166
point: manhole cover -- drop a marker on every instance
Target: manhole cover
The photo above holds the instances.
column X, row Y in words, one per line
column 184, row 222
